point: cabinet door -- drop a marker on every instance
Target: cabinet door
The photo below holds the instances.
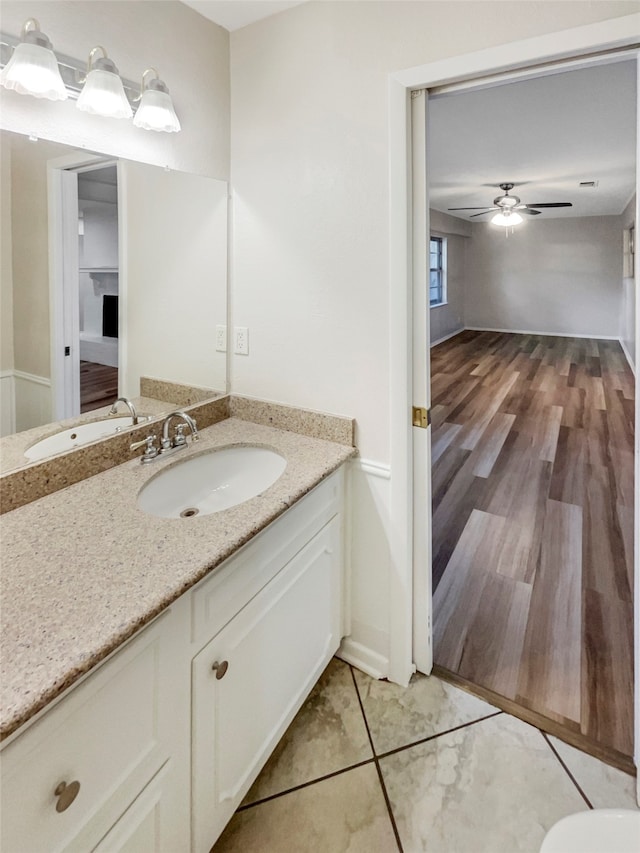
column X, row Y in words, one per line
column 275, row 648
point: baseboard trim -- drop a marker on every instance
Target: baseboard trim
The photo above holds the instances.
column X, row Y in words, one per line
column 607, row 754
column 447, row 337
column 545, row 334
column 374, row 664
column 374, row 469
column 628, row 356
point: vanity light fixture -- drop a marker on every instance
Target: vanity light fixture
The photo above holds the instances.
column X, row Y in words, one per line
column 33, row 67
column 103, row 92
column 30, row 67
column 155, row 111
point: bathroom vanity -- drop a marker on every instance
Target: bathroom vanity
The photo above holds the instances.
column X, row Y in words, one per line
column 151, row 665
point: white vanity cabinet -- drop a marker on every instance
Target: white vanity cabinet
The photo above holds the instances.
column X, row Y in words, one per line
column 251, row 678
column 70, row 777
column 167, row 735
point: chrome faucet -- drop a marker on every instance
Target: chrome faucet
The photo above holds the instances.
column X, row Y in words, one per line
column 179, row 439
column 114, row 409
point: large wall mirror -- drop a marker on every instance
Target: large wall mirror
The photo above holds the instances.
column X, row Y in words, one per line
column 110, row 271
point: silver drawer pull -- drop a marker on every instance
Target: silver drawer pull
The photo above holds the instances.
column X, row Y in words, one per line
column 220, row 668
column 66, row 794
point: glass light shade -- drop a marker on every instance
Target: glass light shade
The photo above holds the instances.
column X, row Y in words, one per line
column 156, row 112
column 33, row 70
column 103, row 95
column 506, row 219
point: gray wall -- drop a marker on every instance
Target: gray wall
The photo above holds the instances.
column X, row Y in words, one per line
column 448, row 319
column 558, row 276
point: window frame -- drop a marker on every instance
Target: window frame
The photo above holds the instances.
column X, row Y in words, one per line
column 441, row 270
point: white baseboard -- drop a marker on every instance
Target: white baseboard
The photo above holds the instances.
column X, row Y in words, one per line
column 546, row 334
column 447, row 337
column 375, row 665
column 628, row 356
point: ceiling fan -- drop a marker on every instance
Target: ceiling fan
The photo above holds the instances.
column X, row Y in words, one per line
column 509, row 205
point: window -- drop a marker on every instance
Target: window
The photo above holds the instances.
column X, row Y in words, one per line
column 437, row 271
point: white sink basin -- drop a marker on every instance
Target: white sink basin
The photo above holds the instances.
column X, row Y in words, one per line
column 77, row 436
column 211, row 482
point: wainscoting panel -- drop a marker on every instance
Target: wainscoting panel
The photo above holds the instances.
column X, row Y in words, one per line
column 7, row 403
column 32, row 400
column 367, row 646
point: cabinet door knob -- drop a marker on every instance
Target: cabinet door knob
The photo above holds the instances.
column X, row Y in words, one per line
column 220, row 668
column 66, row 794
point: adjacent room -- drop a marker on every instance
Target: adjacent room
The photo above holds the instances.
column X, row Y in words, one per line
column 532, row 378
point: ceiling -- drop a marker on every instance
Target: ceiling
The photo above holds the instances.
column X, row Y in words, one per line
column 544, row 135
column 233, row 14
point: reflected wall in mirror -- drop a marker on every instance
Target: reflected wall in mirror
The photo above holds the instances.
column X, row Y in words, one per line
column 119, row 264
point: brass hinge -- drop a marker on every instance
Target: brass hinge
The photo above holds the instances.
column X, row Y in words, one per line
column 421, row 417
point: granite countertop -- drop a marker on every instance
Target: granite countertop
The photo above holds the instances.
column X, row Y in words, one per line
column 12, row 447
column 83, row 569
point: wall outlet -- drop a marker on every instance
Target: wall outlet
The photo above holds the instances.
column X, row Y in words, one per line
column 242, row 340
column 221, row 338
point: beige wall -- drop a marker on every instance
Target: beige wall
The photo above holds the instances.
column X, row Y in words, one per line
column 310, row 159
column 550, row 275
column 190, row 53
column 30, row 253
column 6, row 271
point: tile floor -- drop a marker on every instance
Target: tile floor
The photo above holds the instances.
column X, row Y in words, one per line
column 369, row 767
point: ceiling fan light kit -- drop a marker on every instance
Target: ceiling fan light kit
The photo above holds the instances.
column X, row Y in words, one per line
column 510, row 209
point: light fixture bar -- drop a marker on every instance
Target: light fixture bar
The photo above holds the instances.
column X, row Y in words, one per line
column 72, row 71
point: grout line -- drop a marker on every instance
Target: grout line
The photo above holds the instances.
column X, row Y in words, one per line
column 569, row 773
column 440, row 734
column 385, row 794
column 305, row 784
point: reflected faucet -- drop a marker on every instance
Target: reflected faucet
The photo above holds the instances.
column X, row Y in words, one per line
column 179, row 439
column 114, row 409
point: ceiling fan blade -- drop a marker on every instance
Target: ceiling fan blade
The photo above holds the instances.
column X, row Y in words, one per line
column 529, row 211
column 553, row 204
column 488, row 210
column 470, row 208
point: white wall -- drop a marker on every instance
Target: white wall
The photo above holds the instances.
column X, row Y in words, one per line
column 551, row 275
column 190, row 53
column 310, row 161
column 172, row 299
column 447, row 319
column 628, row 302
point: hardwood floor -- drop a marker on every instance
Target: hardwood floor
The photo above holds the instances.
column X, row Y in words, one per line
column 533, row 526
column 98, row 385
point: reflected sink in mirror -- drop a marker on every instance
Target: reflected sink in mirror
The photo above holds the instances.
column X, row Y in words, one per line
column 211, row 482
column 78, row 435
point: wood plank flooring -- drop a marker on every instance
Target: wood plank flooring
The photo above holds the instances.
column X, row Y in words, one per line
column 98, row 385
column 532, row 485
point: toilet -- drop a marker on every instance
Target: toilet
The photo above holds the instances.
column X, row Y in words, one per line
column 595, row 831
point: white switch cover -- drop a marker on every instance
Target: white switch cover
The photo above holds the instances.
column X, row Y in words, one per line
column 221, row 338
column 242, row 340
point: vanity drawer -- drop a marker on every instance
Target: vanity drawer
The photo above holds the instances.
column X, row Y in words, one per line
column 221, row 595
column 105, row 736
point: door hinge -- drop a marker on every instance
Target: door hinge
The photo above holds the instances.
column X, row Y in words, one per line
column 421, row 417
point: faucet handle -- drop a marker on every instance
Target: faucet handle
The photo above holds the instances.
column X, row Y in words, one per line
column 150, row 452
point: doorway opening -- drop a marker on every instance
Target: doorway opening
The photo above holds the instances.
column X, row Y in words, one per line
column 533, row 409
column 98, row 291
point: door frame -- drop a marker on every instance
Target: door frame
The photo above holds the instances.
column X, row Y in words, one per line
column 63, row 280
column 407, row 504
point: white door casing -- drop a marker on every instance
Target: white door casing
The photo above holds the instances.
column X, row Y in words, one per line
column 407, row 338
